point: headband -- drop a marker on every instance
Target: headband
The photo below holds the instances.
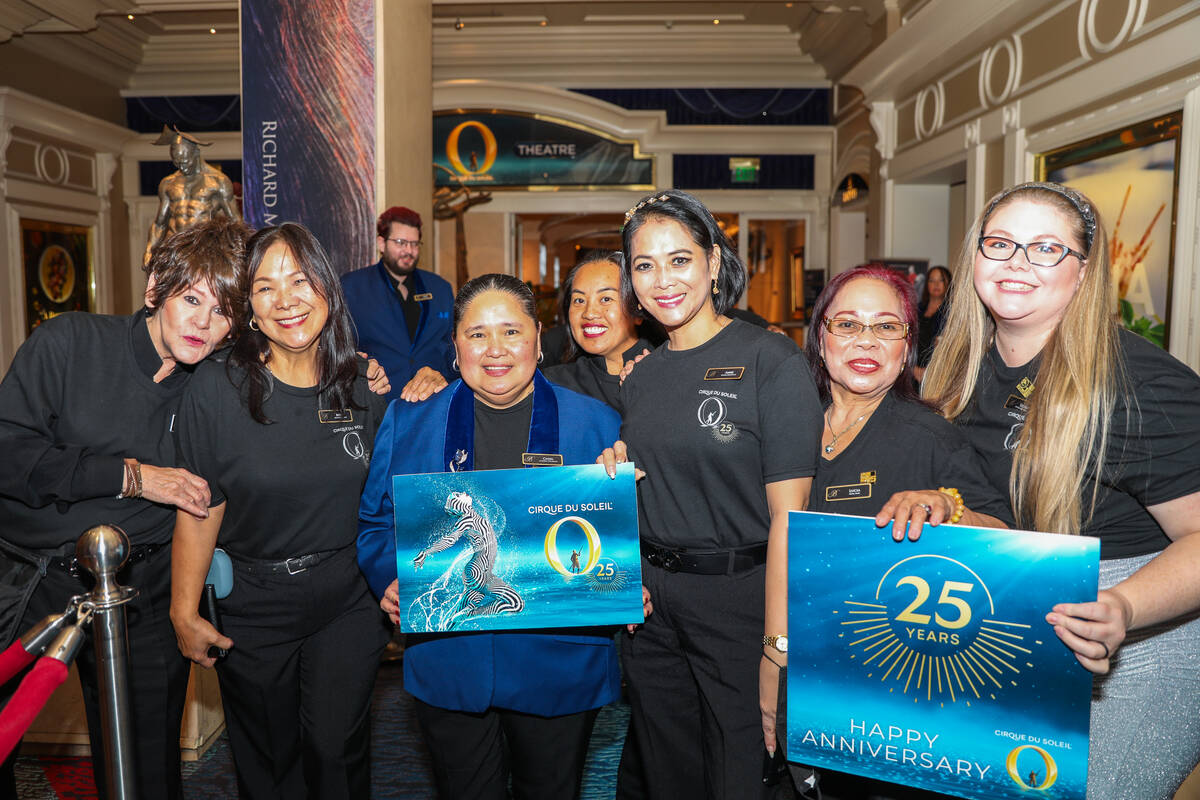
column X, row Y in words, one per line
column 649, row 201
column 1084, row 208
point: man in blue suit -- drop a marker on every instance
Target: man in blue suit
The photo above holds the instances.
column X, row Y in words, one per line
column 403, row 313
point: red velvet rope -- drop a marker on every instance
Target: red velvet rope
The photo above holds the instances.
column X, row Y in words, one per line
column 46, row 676
column 13, row 660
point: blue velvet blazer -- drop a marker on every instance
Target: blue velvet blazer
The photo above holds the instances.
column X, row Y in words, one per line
column 548, row 674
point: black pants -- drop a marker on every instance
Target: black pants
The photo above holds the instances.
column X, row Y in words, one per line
column 692, row 673
column 475, row 754
column 296, row 686
column 158, row 674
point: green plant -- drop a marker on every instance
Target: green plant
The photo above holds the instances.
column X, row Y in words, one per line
column 1153, row 329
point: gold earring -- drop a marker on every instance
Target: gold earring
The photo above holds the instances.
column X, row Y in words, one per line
column 716, row 290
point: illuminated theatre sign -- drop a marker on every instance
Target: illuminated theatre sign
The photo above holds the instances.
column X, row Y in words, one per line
column 504, row 150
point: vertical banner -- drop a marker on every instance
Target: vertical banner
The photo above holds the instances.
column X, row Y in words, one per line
column 931, row 664
column 308, row 121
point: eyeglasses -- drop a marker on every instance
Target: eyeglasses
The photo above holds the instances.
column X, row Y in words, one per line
column 1040, row 254
column 415, row 244
column 890, row 330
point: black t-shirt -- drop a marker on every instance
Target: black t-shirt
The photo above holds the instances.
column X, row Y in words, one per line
column 711, row 426
column 904, row 446
column 928, row 329
column 588, row 374
column 293, row 485
column 1153, row 452
column 502, row 434
column 78, row 398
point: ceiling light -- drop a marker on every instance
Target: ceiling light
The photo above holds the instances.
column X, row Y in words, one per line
column 129, row 17
column 212, row 30
column 716, row 22
column 542, row 23
column 458, row 25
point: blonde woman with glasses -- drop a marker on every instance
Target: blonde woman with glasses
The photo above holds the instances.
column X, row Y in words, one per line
column 1096, row 432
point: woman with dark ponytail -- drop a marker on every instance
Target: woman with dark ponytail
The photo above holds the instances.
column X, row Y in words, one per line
column 724, row 420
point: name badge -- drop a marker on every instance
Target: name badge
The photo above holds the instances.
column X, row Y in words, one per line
column 724, row 373
column 330, row 416
column 849, row 491
column 1014, row 403
column 541, row 459
column 423, row 296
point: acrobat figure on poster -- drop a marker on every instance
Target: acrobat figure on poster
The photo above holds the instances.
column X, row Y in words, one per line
column 483, row 592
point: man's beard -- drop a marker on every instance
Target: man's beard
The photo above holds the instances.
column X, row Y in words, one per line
column 402, row 266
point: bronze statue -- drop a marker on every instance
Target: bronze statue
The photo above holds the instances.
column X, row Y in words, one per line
column 196, row 192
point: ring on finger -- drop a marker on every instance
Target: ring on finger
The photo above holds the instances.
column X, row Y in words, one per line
column 1106, row 655
column 928, row 508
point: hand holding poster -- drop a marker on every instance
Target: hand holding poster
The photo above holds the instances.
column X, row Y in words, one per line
column 930, row 663
column 551, row 547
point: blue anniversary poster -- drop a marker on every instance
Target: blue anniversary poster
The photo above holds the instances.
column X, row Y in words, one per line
column 552, row 547
column 930, row 663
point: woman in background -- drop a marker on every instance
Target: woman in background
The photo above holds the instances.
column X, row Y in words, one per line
column 603, row 333
column 283, row 436
column 1093, row 431
column 931, row 316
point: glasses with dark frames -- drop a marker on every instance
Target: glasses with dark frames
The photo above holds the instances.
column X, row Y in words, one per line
column 1040, row 254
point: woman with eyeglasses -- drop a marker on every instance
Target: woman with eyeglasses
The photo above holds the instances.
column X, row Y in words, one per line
column 862, row 349
column 1096, row 432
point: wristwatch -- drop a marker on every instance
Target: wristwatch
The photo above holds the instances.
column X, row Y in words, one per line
column 778, row 642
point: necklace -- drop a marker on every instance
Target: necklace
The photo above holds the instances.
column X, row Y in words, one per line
column 833, row 442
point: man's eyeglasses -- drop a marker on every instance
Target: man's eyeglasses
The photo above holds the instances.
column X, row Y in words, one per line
column 415, row 244
column 1040, row 254
column 841, row 326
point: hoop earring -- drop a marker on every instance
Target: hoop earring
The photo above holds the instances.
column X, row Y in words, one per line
column 541, row 357
column 454, row 364
column 253, row 327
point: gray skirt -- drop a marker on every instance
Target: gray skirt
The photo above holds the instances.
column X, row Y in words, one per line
column 1145, row 727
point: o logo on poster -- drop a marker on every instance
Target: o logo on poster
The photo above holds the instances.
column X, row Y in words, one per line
column 1051, row 769
column 489, row 144
column 593, row 540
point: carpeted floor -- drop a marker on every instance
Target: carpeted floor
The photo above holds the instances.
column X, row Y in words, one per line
column 399, row 768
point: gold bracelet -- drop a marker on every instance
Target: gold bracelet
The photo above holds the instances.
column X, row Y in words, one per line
column 956, row 498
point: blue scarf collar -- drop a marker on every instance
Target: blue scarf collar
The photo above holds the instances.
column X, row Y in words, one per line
column 459, row 452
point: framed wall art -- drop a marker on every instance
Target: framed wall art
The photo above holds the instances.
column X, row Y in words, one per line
column 57, row 262
column 1132, row 176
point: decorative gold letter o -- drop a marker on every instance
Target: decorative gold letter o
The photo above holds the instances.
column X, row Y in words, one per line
column 489, row 143
column 1047, row 759
column 593, row 538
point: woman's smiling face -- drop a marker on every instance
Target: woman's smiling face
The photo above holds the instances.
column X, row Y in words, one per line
column 672, row 274
column 1019, row 295
column 496, row 343
column 597, row 318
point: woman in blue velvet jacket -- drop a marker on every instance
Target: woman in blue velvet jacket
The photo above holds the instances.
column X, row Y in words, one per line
column 493, row 705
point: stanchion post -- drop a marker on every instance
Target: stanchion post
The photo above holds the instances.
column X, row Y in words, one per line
column 102, row 550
